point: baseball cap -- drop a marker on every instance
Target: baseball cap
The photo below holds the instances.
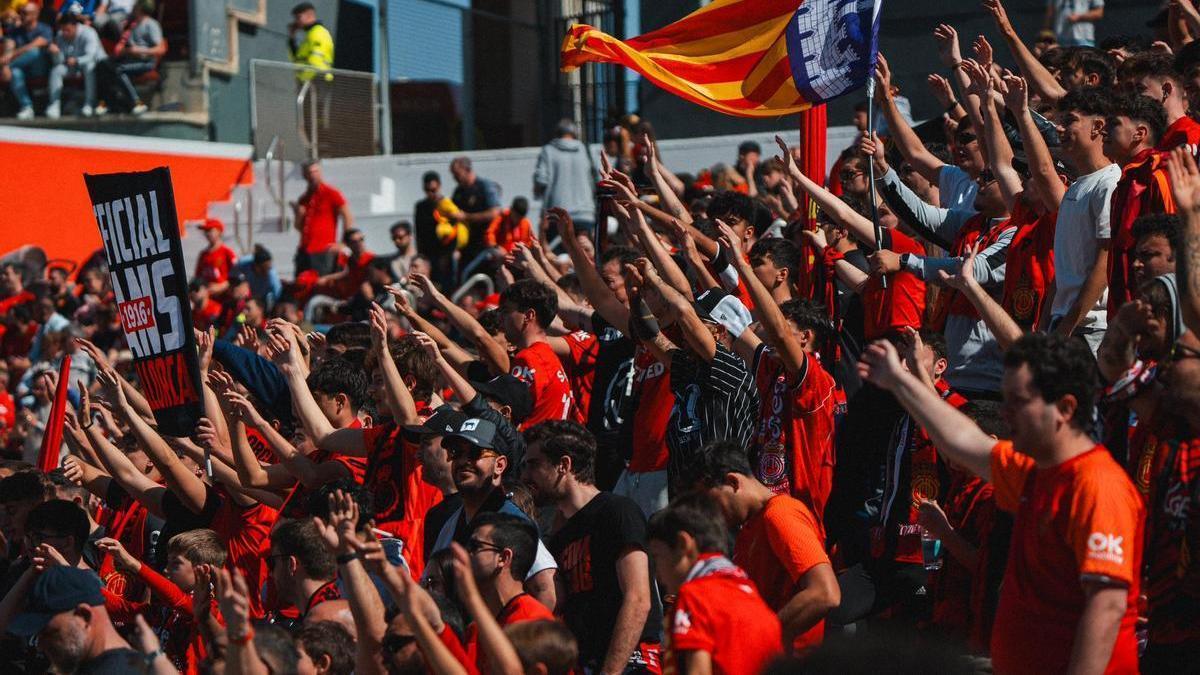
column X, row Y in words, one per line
column 478, row 432
column 510, row 391
column 212, row 224
column 445, row 418
column 717, row 306
column 56, row 590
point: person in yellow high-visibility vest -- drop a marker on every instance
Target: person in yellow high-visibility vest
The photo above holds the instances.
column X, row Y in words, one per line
column 311, row 42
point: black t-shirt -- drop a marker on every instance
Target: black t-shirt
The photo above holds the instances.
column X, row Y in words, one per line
column 611, row 384
column 586, row 548
column 180, row 519
column 851, row 340
column 474, row 198
column 436, row 517
column 714, row 401
column 425, row 229
column 120, row 661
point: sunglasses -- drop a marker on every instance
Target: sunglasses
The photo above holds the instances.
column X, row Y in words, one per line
column 393, row 643
column 1180, row 352
column 848, row 175
column 475, row 546
column 471, row 452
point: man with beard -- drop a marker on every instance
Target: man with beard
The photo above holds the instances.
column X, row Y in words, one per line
column 478, row 462
column 609, row 602
column 65, row 611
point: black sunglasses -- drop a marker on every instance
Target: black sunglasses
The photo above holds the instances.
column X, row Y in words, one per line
column 475, row 546
column 393, row 643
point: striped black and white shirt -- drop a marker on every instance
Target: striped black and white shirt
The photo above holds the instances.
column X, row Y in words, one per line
column 714, row 401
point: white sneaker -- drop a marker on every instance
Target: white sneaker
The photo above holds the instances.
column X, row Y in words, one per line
column 86, row 111
column 25, row 113
column 140, row 109
column 101, row 109
column 54, row 110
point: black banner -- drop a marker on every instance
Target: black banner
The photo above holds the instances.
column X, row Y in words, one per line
column 136, row 216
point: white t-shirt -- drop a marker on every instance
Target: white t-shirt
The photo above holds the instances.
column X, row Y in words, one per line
column 956, row 188
column 1082, row 33
column 1083, row 219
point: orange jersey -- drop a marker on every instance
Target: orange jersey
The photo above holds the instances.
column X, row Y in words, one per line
column 795, row 435
column 777, row 546
column 1076, row 521
column 539, row 367
column 1183, row 131
column 401, row 495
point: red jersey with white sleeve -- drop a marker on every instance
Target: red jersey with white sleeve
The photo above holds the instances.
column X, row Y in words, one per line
column 716, row 598
column 794, row 440
column 214, row 264
column 538, row 366
column 888, row 311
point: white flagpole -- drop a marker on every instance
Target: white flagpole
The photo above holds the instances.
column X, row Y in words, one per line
column 871, row 171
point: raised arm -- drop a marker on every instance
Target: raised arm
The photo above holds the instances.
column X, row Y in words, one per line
column 180, row 480
column 779, row 336
column 651, row 245
column 1185, row 186
column 594, row 287
column 1037, row 153
column 860, row 228
column 501, row 655
column 1000, row 152
column 400, row 399
column 952, row 432
column 934, row 223
column 251, row 473
column 135, row 398
column 666, row 184
column 911, row 147
column 1003, row 327
column 695, row 333
column 1040, row 79
column 489, row 350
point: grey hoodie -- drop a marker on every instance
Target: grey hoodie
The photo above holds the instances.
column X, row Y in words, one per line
column 564, row 177
column 86, row 47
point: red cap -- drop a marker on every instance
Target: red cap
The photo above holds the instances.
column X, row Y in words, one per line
column 490, row 302
column 212, row 224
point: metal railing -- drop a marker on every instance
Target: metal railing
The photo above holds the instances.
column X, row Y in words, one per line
column 276, row 187
column 314, row 113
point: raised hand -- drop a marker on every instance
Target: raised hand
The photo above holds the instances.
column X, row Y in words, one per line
column 1185, row 180
column 880, row 365
column 144, row 637
column 95, row 353
column 883, row 78
column 401, row 298
column 1016, row 94
column 947, row 42
column 566, row 227
column 317, row 342
column 965, row 277
column 45, row 556
column 220, row 382
column 110, row 384
column 983, row 52
column 979, row 77
column 789, row 161
column 816, row 237
column 202, row 591
column 244, row 409
column 233, row 596
column 72, row 469
column 379, row 330
column 428, row 344
column 425, row 284
column 872, row 147
column 247, row 337
column 204, row 347
column 941, row 89
column 206, row 434
column 999, row 15
column 339, row 533
column 121, row 558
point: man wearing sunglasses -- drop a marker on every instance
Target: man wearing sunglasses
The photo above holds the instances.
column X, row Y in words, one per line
column 975, row 365
column 478, row 462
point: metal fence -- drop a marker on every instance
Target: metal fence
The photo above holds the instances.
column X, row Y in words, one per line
column 313, row 113
column 596, row 92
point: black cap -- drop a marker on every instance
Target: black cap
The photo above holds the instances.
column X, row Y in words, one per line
column 56, row 590
column 445, row 418
column 509, row 391
column 478, row 432
column 749, row 146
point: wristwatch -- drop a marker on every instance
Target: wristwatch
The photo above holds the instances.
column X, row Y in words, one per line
column 904, row 260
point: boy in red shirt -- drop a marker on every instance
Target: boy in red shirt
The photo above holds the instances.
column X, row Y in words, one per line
column 510, row 228
column 720, row 624
column 217, row 259
column 779, row 543
column 170, row 609
column 526, row 310
column 1068, row 602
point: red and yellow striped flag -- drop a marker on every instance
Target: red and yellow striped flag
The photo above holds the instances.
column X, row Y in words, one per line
column 751, row 58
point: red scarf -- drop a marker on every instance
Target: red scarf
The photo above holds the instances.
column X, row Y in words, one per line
column 1029, row 266
column 1144, row 189
column 950, row 301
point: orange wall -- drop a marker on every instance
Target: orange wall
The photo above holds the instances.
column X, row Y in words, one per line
column 44, row 201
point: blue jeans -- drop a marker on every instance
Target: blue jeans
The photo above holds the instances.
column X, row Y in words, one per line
column 30, row 64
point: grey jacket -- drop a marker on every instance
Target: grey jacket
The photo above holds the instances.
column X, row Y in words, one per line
column 563, row 177
column 974, row 354
column 85, row 48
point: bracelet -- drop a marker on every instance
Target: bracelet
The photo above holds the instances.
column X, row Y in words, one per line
column 244, row 639
column 150, row 657
column 87, row 426
column 347, row 557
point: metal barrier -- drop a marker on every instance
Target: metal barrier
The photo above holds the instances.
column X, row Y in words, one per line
column 276, row 187
column 472, row 282
column 313, row 113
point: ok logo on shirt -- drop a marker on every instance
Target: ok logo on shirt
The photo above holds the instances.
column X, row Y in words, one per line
column 1106, row 547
